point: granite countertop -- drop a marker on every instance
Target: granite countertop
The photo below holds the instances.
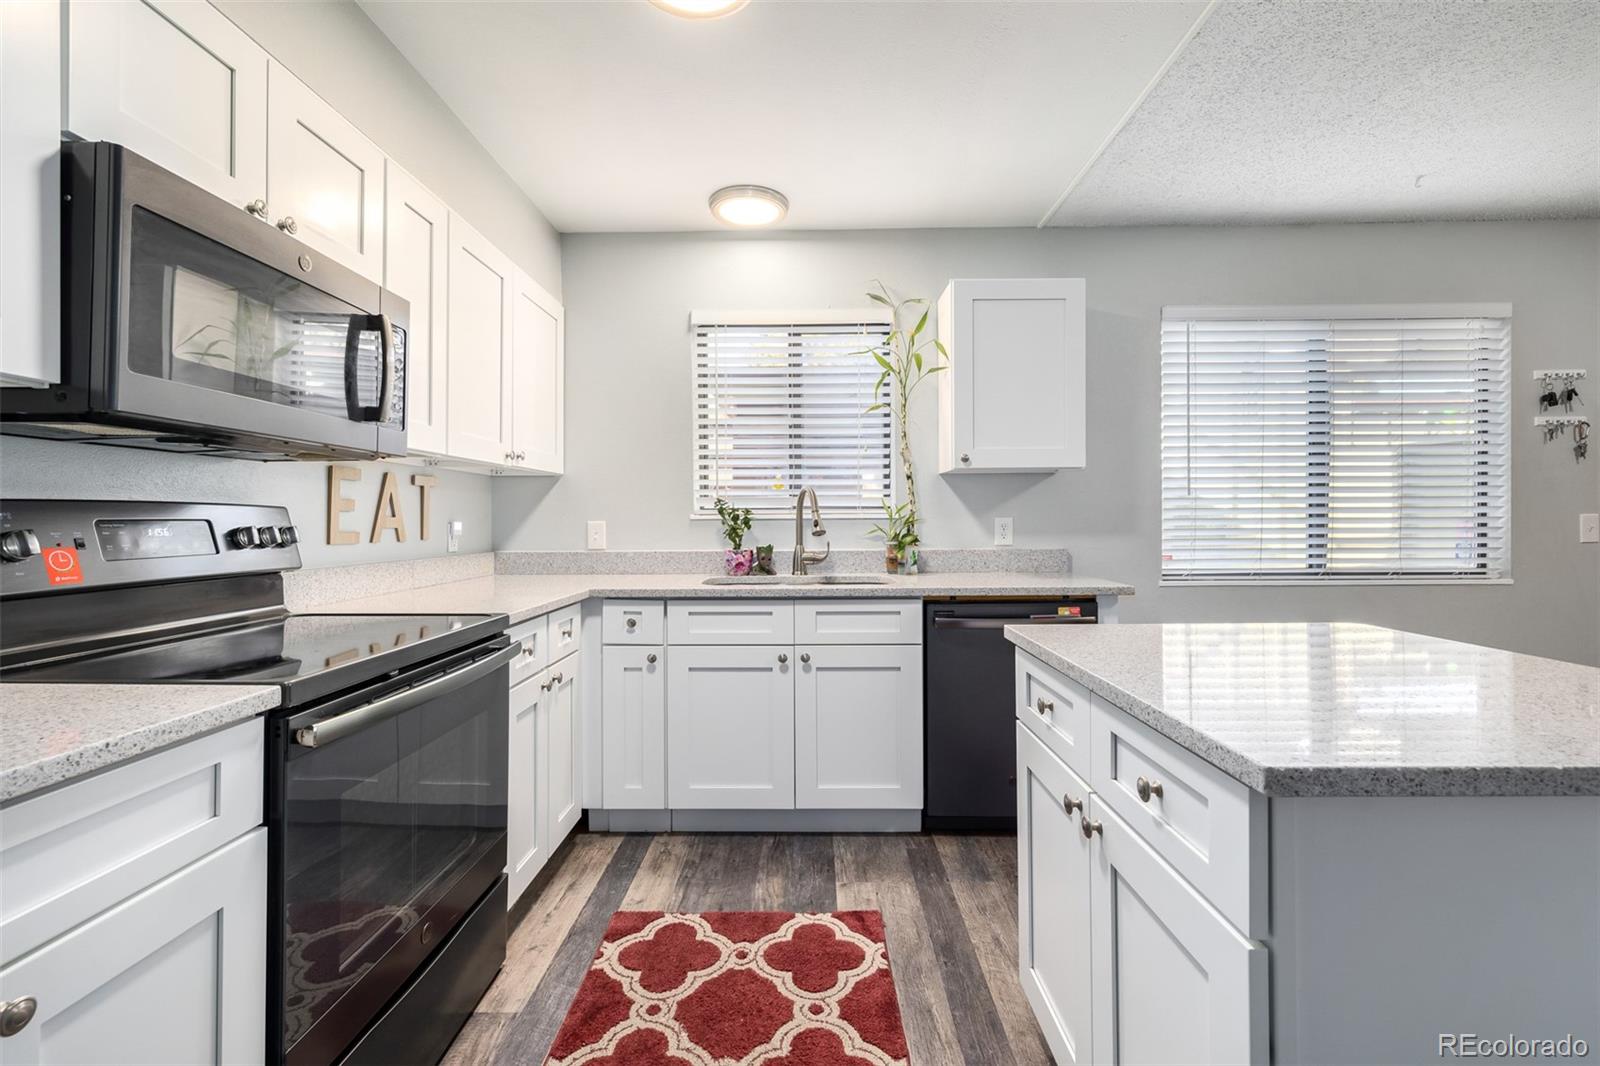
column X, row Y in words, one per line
column 53, row 733
column 527, row 596
column 1340, row 709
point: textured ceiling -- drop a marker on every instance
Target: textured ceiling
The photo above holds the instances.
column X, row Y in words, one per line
column 616, row 116
column 1305, row 111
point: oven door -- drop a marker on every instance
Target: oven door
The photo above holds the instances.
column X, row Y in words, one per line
column 218, row 322
column 389, row 823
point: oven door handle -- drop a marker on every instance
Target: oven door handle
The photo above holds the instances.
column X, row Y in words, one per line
column 368, row 714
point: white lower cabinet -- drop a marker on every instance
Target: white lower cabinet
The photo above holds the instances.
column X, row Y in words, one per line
column 858, row 726
column 174, row 974
column 527, row 838
column 633, row 713
column 563, row 731
column 730, row 728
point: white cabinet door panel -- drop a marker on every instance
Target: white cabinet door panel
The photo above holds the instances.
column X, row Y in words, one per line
column 1174, row 982
column 482, row 287
column 563, row 732
column 175, row 974
column 416, row 259
column 324, row 178
column 177, row 83
column 538, row 377
column 858, row 726
column 1054, row 872
column 527, row 804
column 730, row 728
column 633, row 727
column 30, row 192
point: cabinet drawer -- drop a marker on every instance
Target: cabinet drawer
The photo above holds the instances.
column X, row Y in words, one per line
column 67, row 855
column 858, row 622
column 1056, row 710
column 730, row 622
column 534, row 638
column 1209, row 827
column 633, row 622
column 566, row 631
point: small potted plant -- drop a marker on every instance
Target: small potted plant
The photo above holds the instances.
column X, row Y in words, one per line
column 738, row 560
column 899, row 533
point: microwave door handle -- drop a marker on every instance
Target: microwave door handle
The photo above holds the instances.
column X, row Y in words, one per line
column 367, row 715
column 360, row 324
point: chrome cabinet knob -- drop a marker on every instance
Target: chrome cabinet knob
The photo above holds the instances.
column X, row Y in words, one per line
column 632, row 623
column 289, row 225
column 1044, row 706
column 257, row 207
column 555, row 680
column 16, row 1014
column 1147, row 788
column 1090, row 828
column 782, row 659
column 1072, row 804
column 651, row 658
column 965, row 458
column 805, row 656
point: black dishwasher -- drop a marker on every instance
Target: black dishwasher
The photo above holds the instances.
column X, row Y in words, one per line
column 970, row 706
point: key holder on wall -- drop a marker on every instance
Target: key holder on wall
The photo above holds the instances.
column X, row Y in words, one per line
column 1558, row 391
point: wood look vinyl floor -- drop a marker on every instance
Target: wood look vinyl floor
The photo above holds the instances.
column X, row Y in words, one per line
column 949, row 904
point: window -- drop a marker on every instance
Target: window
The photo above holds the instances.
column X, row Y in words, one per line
column 780, row 403
column 1315, row 444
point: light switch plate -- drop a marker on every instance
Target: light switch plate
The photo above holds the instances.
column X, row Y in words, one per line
column 1002, row 532
column 1589, row 528
column 597, row 536
column 452, row 539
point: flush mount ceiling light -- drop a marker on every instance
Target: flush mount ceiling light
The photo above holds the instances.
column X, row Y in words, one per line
column 700, row 9
column 749, row 205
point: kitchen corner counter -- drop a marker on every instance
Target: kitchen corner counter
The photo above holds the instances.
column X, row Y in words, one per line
column 1341, row 709
column 527, row 596
column 52, row 733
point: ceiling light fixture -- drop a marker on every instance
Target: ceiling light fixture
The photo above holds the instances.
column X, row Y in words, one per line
column 749, row 205
column 700, row 9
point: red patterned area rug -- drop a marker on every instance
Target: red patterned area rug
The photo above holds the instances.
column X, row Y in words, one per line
column 736, row 987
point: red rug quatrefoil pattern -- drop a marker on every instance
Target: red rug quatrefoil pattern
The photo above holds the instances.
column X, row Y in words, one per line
column 736, row 988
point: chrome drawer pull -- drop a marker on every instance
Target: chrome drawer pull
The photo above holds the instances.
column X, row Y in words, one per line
column 1147, row 788
column 651, row 658
column 632, row 622
column 16, row 1014
column 1090, row 828
column 1044, row 706
column 1072, row 804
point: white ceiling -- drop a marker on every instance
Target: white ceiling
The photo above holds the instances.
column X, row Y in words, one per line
column 1426, row 109
column 615, row 116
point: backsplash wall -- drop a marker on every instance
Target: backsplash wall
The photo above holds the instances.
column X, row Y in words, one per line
column 35, row 469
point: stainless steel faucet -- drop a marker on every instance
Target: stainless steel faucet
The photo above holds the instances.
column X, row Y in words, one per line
column 803, row 558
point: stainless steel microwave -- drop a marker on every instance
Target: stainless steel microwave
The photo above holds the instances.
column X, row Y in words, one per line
column 190, row 324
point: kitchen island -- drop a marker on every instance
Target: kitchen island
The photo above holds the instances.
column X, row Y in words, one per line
column 1305, row 843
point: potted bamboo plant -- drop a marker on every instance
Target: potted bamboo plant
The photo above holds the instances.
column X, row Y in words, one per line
column 737, row 560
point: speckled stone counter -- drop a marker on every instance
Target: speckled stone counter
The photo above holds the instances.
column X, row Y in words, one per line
column 53, row 733
column 527, row 596
column 1336, row 709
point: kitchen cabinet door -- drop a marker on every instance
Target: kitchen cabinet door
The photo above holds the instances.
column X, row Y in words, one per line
column 1054, row 877
column 858, row 726
column 633, row 741
column 175, row 82
column 730, row 728
column 563, row 732
column 1173, row 981
column 175, row 974
column 537, row 373
column 1013, row 396
column 30, row 192
column 527, row 802
column 482, row 291
column 416, row 261
column 324, row 178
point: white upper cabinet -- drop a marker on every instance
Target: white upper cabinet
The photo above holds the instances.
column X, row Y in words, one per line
column 30, row 192
column 175, row 82
column 482, row 306
column 538, row 335
column 324, row 178
column 416, row 260
column 1012, row 399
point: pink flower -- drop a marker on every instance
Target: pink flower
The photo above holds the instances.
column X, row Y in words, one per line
column 738, row 563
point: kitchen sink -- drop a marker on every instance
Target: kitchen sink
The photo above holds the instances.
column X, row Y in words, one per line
column 800, row 579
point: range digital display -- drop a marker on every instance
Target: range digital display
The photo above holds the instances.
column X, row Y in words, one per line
column 154, row 539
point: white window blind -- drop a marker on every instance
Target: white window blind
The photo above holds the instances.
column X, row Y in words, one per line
column 781, row 404
column 1360, row 448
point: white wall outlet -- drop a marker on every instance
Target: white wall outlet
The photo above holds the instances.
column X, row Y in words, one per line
column 1589, row 528
column 452, row 535
column 1002, row 532
column 597, row 536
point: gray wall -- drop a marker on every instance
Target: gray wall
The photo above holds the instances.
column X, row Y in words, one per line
column 628, row 409
column 333, row 47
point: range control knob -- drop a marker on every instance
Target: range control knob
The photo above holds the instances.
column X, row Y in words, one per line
column 288, row 536
column 267, row 537
column 18, row 544
column 244, row 537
